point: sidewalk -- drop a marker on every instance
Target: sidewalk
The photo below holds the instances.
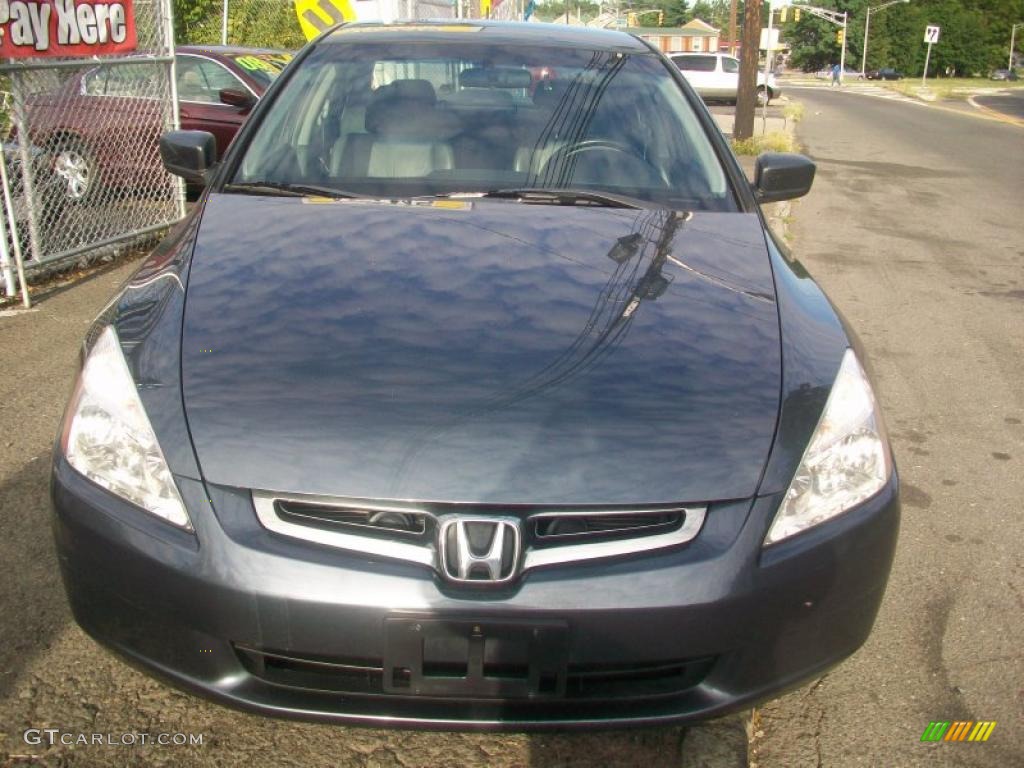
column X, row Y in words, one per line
column 761, row 127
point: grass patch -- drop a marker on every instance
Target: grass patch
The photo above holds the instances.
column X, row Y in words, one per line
column 775, row 141
column 950, row 88
column 794, row 111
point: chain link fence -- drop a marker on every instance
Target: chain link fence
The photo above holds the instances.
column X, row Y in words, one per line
column 81, row 166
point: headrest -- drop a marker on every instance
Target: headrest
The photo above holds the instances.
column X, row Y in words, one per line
column 414, row 90
column 400, row 118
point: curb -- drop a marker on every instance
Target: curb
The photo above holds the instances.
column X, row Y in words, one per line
column 995, row 115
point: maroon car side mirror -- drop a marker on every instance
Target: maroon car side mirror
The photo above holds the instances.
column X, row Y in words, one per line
column 236, row 97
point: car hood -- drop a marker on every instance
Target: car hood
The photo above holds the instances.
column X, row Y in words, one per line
column 482, row 351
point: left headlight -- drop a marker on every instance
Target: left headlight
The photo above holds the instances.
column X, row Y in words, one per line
column 108, row 438
column 847, row 460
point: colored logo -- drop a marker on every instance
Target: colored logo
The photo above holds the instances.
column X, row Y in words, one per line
column 958, row 730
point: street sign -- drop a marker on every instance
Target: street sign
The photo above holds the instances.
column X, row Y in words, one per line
column 931, row 36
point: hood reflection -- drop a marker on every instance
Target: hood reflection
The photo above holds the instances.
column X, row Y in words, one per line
column 497, row 353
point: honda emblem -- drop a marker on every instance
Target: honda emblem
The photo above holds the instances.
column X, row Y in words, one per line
column 481, row 550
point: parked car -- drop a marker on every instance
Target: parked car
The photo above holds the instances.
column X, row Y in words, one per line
column 885, row 73
column 48, row 189
column 88, row 122
column 716, row 76
column 505, row 412
column 1004, row 74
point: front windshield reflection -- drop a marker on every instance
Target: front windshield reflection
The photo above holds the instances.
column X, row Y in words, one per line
column 423, row 119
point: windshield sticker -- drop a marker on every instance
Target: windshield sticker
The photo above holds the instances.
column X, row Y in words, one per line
column 262, row 62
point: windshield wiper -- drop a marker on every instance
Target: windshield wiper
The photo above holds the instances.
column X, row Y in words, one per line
column 285, row 188
column 567, row 197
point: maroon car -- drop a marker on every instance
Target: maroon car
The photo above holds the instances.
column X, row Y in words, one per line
column 95, row 123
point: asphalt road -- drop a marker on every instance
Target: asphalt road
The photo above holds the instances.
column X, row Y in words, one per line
column 1008, row 104
column 914, row 228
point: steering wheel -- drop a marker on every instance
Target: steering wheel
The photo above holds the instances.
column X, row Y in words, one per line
column 560, row 156
column 592, row 145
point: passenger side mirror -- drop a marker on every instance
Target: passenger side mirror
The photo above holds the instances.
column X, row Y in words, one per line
column 189, row 154
column 782, row 176
column 236, row 97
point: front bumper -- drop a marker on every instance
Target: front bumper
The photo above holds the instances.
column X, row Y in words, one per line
column 264, row 623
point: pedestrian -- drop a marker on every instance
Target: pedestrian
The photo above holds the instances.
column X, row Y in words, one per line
column 835, row 74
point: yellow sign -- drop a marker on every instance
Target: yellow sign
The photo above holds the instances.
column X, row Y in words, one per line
column 315, row 16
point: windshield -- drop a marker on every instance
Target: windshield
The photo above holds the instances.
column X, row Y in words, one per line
column 419, row 118
column 262, row 67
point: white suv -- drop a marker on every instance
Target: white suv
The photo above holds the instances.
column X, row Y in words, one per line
column 716, row 76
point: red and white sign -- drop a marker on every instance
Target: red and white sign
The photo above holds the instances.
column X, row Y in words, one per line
column 31, row 28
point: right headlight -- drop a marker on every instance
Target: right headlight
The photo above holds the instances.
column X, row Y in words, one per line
column 847, row 460
column 108, row 438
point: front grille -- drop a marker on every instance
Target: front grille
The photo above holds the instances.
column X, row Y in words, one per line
column 340, row 675
column 406, row 530
column 352, row 676
column 383, row 523
column 628, row 681
column 561, row 528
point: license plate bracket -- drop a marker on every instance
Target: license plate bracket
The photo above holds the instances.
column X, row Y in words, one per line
column 489, row 658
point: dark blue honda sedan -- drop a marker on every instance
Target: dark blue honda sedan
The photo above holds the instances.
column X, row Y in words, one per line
column 476, row 393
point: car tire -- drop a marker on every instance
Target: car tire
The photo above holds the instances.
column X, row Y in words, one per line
column 77, row 169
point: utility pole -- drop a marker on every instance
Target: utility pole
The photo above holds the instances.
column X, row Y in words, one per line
column 833, row 17
column 842, row 53
column 743, row 128
column 1013, row 33
column 867, row 26
column 732, row 30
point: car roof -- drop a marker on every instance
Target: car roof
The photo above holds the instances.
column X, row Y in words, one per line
column 487, row 32
column 224, row 50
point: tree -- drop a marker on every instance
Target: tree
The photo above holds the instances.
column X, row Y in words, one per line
column 975, row 35
column 191, row 16
column 677, row 13
column 556, row 9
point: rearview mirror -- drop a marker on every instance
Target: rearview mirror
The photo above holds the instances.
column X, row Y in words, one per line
column 782, row 176
column 236, row 97
column 189, row 154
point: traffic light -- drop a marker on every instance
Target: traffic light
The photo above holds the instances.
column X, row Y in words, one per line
column 796, row 13
column 782, row 15
column 661, row 18
column 839, row 36
column 631, row 20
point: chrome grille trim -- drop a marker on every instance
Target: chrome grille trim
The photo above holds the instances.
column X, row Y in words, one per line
column 369, row 545
column 693, row 520
column 427, row 554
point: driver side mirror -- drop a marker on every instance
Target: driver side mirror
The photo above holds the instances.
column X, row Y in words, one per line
column 782, row 176
column 189, row 154
column 236, row 97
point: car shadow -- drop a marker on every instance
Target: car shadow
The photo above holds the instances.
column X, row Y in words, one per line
column 32, row 601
